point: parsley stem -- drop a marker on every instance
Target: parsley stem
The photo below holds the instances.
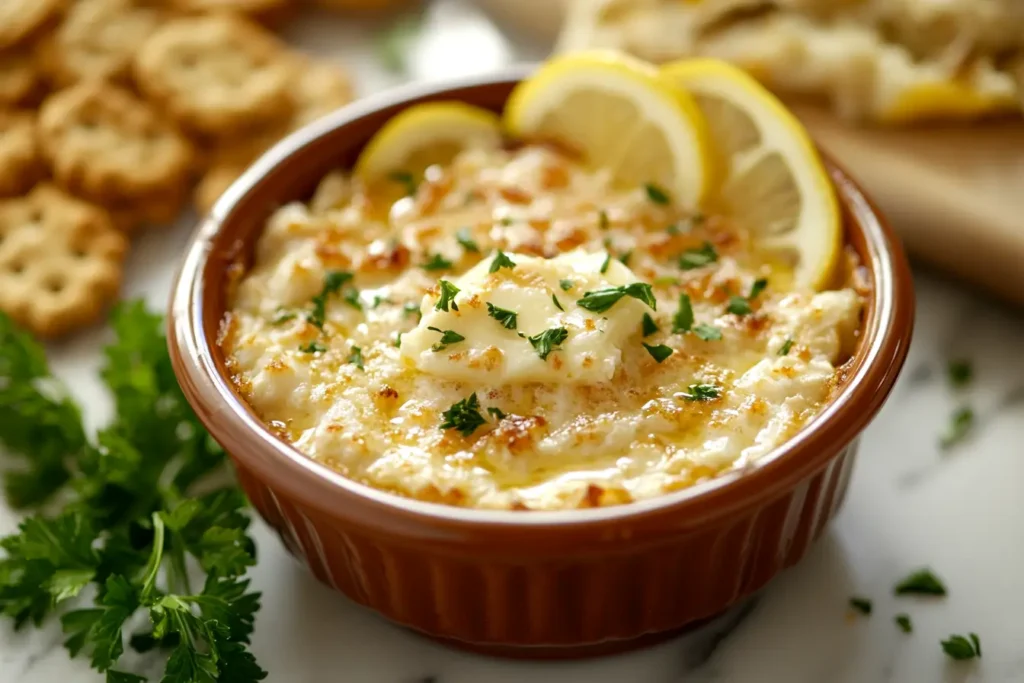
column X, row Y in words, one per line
column 155, row 556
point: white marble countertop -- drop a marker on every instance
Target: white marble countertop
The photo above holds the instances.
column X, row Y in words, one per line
column 959, row 511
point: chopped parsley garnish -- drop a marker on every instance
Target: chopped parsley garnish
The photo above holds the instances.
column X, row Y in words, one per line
column 959, row 426
column 702, row 392
column 672, row 229
column 566, row 285
column 447, row 337
column 504, row 316
column 648, row 326
column 921, row 582
column 507, row 221
column 904, row 623
column 682, row 321
column 786, row 347
column 602, row 219
column 960, row 648
column 437, row 262
column 624, row 258
column 351, row 297
column 333, row 281
column 465, row 238
column 410, row 307
column 282, row 317
column 862, row 605
column 545, row 342
column 707, row 332
column 607, row 262
column 659, row 352
column 960, row 372
column 378, row 300
column 356, row 357
column 313, row 347
column 447, row 298
column 405, row 179
column 739, row 305
column 759, row 286
column 656, row 194
column 497, row 413
column 698, row 258
column 554, row 300
column 398, row 340
column 501, row 261
column 600, row 300
column 464, row 416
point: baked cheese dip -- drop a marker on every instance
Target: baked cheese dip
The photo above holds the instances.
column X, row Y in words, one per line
column 517, row 333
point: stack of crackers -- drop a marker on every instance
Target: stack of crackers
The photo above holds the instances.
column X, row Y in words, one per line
column 112, row 114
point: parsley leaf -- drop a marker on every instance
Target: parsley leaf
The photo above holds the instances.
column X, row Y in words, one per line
column 504, row 316
column 448, row 292
column 656, row 194
column 501, row 261
column 464, row 416
column 707, row 332
column 682, row 321
column 313, row 347
column 759, row 286
column 545, row 342
column 920, row 582
column 566, row 285
column 602, row 220
column 356, row 357
column 437, row 262
column 903, row 621
column 702, row 392
column 607, row 262
column 465, row 238
column 659, row 352
column 447, row 337
column 556, row 302
column 786, row 347
column 282, row 317
column 648, row 326
column 410, row 307
column 961, row 648
column 862, row 605
column 497, row 413
column 333, row 282
column 600, row 300
column 960, row 372
column 405, row 179
column 959, row 426
column 698, row 258
column 739, row 305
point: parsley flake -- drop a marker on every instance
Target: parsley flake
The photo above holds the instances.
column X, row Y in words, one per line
column 682, row 321
column 501, row 261
column 282, row 317
column 648, row 326
column 698, row 258
column 656, row 194
column 554, row 300
column 624, row 258
column 738, row 305
column 504, row 316
column 333, row 282
column 465, row 238
column 904, row 623
column 759, row 286
column 659, row 352
column 566, row 285
column 702, row 392
column 920, row 582
column 959, row 426
column 437, row 262
column 411, row 307
column 607, row 262
column 313, row 347
column 507, row 221
column 447, row 337
column 356, row 357
column 961, row 648
column 447, row 298
column 545, row 342
column 960, row 372
column 405, row 179
column 786, row 347
column 464, row 416
column 862, row 605
column 707, row 332
column 602, row 220
column 351, row 297
column 378, row 300
column 600, row 300
column 497, row 413
column 398, row 340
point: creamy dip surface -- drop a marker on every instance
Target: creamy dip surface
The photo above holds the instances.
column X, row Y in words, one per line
column 518, row 333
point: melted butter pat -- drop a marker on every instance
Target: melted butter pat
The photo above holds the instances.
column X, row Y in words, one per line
column 490, row 353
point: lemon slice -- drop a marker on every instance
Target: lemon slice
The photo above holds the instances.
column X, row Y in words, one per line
column 619, row 114
column 426, row 134
column 775, row 184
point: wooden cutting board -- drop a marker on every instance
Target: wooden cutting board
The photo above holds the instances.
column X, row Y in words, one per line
column 954, row 193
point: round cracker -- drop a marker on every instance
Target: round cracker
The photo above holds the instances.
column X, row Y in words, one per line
column 20, row 162
column 217, row 74
column 319, row 88
column 20, row 80
column 105, row 144
column 20, row 19
column 61, row 261
column 267, row 12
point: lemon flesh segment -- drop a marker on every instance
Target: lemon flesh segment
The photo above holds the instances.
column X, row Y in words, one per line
column 618, row 113
column 775, row 184
column 427, row 134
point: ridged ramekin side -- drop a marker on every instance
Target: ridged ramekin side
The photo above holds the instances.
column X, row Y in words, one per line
column 553, row 601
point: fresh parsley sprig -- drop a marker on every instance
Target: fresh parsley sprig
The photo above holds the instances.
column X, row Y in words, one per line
column 600, row 300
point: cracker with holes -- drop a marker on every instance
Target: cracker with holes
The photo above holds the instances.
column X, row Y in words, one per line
column 105, row 144
column 97, row 40
column 61, row 261
column 217, row 74
column 20, row 163
column 20, row 20
column 268, row 12
column 20, row 80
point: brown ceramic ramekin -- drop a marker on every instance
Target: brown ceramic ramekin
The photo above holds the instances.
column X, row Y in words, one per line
column 526, row 583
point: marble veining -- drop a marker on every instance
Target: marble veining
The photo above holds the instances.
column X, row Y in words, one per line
column 958, row 510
